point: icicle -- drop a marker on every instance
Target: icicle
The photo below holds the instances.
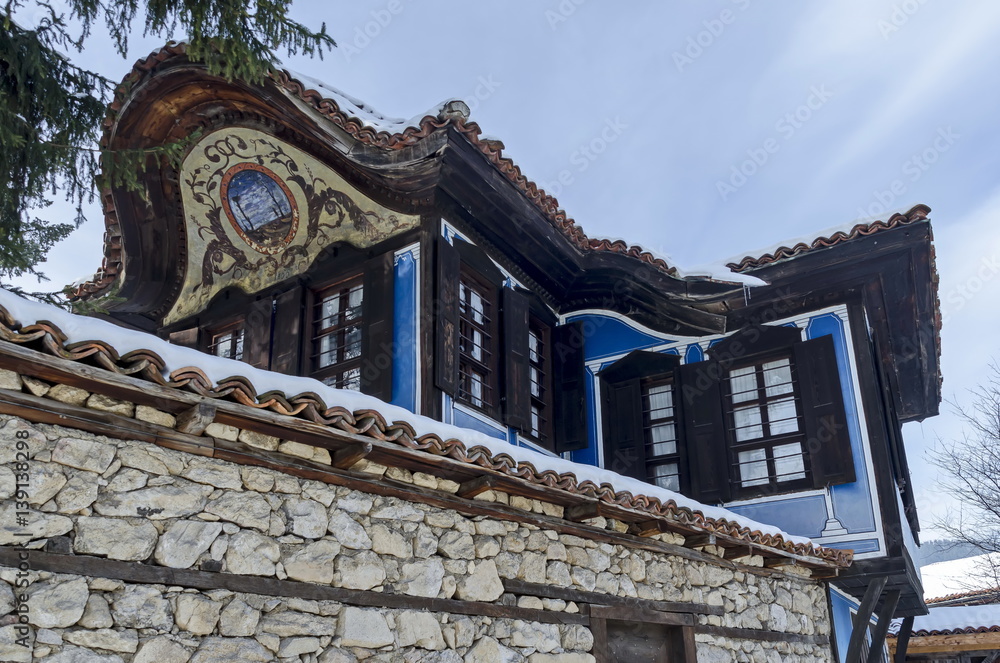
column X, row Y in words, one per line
column 746, row 294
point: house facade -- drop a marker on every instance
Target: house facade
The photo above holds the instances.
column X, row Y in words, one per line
column 307, row 236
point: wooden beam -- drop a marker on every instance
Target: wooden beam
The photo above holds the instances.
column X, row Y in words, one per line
column 48, row 411
column 885, row 614
column 757, row 634
column 633, row 613
column 647, row 528
column 477, row 486
column 700, row 540
column 863, row 618
column 350, row 455
column 581, row 512
column 523, row 588
column 953, row 643
column 135, row 572
column 735, row 552
column 777, row 562
column 196, row 419
column 903, row 640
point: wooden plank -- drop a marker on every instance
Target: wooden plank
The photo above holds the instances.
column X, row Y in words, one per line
column 689, row 650
column 48, row 411
column 523, row 588
column 633, row 613
column 196, row 419
column 862, row 619
column 350, row 455
column 585, row 511
column 902, row 640
column 477, row 486
column 955, row 642
column 599, row 629
column 757, row 634
column 145, row 574
column 700, row 540
column 736, row 552
column 885, row 615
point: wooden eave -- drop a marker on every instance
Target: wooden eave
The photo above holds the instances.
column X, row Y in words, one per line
column 986, row 642
column 893, row 271
column 501, row 216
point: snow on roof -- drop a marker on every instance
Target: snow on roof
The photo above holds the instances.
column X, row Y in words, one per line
column 81, row 329
column 958, row 576
column 364, row 112
column 717, row 271
column 946, row 619
column 808, row 239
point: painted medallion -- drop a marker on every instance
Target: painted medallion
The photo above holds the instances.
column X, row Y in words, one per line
column 259, row 206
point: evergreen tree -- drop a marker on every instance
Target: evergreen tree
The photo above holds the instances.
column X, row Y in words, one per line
column 51, row 110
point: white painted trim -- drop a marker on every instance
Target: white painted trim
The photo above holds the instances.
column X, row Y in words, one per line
column 598, row 417
column 522, row 440
column 476, row 414
column 777, row 498
column 563, row 318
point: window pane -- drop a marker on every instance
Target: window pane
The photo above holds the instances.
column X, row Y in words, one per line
column 661, row 402
column 781, row 416
column 753, row 467
column 778, row 377
column 743, row 382
column 788, row 462
column 330, row 309
column 223, row 344
column 666, row 476
column 748, row 423
column 663, row 440
column 352, row 345
column 354, row 300
column 238, row 354
column 536, row 383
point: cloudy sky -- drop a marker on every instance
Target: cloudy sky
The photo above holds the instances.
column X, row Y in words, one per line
column 641, row 120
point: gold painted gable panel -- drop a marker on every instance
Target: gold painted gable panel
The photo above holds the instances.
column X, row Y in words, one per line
column 258, row 211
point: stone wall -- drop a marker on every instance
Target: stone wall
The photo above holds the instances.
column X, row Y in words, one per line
column 144, row 504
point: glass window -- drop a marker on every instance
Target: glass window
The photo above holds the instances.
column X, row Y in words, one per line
column 477, row 342
column 228, row 343
column 765, row 419
column 337, row 335
column 660, row 430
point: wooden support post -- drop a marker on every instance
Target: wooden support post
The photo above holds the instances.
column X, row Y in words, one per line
column 473, row 487
column 863, row 618
column 196, row 419
column 350, row 455
column 903, row 639
column 884, row 618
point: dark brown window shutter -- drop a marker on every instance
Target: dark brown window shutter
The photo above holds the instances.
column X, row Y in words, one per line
column 187, row 338
column 704, row 430
column 377, row 352
column 447, row 266
column 752, row 340
column 622, row 409
column 828, row 439
column 624, row 442
column 286, row 339
column 569, row 383
column 517, row 387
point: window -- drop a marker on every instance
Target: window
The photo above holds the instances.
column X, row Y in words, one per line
column 227, row 342
column 497, row 348
column 763, row 413
column 337, row 335
column 660, row 433
column 477, row 343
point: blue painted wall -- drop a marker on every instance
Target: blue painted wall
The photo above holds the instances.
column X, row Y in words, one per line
column 405, row 337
